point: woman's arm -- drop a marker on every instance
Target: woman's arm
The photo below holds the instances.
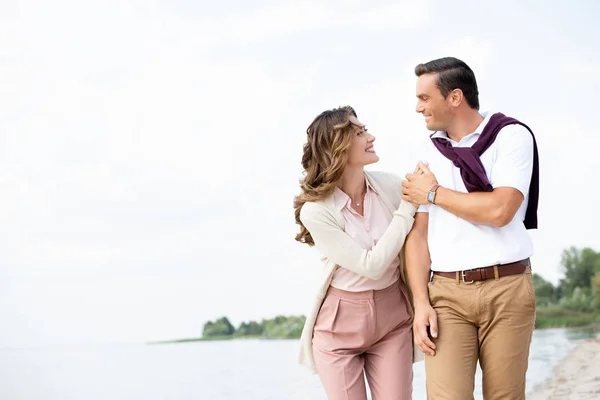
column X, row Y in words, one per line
column 340, row 248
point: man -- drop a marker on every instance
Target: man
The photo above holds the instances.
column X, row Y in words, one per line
column 468, row 253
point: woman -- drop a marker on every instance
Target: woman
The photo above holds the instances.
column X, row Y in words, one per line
column 361, row 320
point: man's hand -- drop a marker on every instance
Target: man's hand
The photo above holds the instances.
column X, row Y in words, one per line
column 417, row 185
column 418, row 170
column 425, row 316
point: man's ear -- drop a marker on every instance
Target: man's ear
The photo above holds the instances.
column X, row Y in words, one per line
column 456, row 97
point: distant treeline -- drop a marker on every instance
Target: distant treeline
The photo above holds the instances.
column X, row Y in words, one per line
column 280, row 327
column 579, row 290
column 575, row 301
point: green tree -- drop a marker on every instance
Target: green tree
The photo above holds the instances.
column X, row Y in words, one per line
column 283, row 327
column 579, row 266
column 251, row 328
column 220, row 327
column 580, row 300
column 545, row 292
column 596, row 290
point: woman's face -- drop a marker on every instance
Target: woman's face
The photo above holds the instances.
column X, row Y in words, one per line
column 361, row 151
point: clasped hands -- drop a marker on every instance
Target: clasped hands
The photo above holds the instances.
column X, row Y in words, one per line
column 418, row 184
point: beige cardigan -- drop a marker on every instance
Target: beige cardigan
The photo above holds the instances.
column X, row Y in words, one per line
column 326, row 226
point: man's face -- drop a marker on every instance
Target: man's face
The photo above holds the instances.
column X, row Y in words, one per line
column 432, row 104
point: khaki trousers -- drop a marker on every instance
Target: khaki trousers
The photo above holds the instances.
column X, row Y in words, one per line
column 491, row 321
column 358, row 333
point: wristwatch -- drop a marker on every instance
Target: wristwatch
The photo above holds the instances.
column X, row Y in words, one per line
column 431, row 194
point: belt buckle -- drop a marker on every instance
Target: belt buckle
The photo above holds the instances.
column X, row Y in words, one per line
column 463, row 278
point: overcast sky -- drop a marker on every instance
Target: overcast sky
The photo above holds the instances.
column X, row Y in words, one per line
column 150, row 150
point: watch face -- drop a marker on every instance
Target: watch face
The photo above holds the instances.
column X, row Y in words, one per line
column 430, row 196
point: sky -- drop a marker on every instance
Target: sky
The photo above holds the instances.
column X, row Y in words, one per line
column 150, row 150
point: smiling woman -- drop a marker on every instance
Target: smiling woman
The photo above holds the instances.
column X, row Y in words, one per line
column 359, row 222
column 351, row 148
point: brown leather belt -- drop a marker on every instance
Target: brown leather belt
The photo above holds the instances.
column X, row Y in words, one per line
column 481, row 274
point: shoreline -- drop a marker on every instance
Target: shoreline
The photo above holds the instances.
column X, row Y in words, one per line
column 594, row 325
column 577, row 377
column 220, row 339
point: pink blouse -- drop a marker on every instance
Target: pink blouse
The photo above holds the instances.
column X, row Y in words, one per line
column 366, row 231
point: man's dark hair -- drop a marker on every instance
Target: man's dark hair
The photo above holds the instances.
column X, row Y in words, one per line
column 452, row 74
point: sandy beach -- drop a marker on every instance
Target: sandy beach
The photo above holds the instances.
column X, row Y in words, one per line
column 577, row 377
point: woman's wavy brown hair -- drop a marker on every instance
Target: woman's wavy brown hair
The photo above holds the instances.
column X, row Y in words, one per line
column 324, row 159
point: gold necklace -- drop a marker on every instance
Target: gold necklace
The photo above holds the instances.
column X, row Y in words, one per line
column 363, row 195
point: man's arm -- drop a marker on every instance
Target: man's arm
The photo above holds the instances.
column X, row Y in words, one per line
column 417, row 257
column 496, row 208
column 418, row 263
column 510, row 177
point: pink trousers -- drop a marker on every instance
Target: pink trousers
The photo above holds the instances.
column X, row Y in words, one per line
column 365, row 333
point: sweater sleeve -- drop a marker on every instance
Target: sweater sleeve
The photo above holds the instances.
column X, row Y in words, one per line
column 339, row 247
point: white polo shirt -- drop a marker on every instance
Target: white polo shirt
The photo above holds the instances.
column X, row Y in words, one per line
column 456, row 244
